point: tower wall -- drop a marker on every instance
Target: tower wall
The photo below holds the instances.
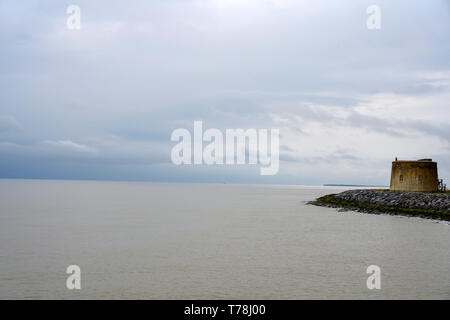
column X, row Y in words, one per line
column 420, row 176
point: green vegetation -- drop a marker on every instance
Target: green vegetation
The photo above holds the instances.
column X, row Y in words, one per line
column 370, row 208
column 443, row 192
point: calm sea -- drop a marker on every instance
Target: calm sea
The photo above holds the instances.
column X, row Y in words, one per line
column 205, row 241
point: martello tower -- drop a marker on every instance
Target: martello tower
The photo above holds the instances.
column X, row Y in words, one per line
column 420, row 176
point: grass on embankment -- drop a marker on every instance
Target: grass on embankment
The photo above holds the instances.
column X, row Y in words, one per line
column 370, row 208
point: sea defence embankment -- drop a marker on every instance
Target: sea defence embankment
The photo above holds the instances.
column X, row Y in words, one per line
column 418, row 204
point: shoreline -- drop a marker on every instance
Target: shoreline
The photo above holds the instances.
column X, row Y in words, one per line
column 411, row 204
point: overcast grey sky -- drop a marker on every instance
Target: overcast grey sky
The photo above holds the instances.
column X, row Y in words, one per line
column 101, row 102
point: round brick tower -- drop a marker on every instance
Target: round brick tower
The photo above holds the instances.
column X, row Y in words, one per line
column 420, row 176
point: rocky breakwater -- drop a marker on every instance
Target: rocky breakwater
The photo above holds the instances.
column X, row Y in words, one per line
column 427, row 205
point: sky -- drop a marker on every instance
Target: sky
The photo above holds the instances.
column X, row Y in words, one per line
column 101, row 102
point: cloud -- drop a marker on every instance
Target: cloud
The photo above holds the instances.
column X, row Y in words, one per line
column 106, row 150
column 70, row 146
column 8, row 123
